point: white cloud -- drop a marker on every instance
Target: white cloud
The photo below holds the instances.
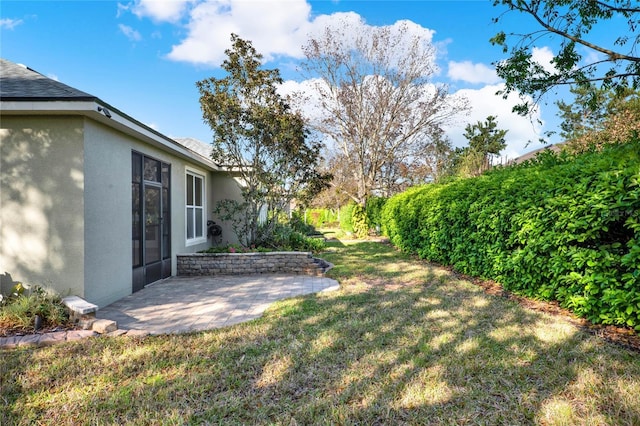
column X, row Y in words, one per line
column 161, row 10
column 590, row 56
column 122, row 9
column 274, row 28
column 472, row 73
column 53, row 77
column 130, row 33
column 304, row 96
column 9, row 23
column 523, row 132
column 543, row 56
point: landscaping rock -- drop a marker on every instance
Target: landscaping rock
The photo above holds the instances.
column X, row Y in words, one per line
column 74, row 335
column 79, row 306
column 85, row 322
column 104, row 326
column 48, row 339
column 137, row 333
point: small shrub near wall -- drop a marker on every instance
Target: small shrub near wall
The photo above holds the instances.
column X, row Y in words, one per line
column 559, row 228
column 26, row 308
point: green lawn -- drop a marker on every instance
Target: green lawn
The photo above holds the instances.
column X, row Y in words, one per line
column 401, row 343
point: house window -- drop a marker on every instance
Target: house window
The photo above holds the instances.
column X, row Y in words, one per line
column 195, row 209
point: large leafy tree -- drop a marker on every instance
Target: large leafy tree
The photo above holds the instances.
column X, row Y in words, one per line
column 415, row 170
column 579, row 118
column 612, row 64
column 378, row 106
column 615, row 121
column 260, row 139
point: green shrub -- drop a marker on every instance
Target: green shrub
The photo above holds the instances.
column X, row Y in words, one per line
column 284, row 238
column 236, row 248
column 19, row 310
column 558, row 228
column 298, row 224
column 374, row 211
column 359, row 221
column 346, row 217
column 298, row 241
column 319, row 218
column 353, row 219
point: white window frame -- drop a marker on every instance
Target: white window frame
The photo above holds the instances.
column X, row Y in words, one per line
column 191, row 209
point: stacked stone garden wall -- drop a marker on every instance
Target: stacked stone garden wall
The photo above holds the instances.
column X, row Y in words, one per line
column 250, row 263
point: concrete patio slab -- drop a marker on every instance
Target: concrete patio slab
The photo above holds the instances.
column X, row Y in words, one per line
column 186, row 304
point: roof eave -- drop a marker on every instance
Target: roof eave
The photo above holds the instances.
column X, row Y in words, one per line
column 94, row 109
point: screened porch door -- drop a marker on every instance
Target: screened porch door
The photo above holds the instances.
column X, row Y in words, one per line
column 151, row 228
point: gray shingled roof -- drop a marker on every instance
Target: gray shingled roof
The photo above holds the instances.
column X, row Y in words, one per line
column 196, row 145
column 533, row 154
column 19, row 83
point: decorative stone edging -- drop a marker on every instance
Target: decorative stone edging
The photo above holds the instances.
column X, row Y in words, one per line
column 37, row 340
column 285, row 262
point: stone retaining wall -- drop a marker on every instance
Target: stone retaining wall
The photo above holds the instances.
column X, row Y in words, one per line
column 251, row 263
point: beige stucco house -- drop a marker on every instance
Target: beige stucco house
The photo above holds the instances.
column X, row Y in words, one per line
column 92, row 202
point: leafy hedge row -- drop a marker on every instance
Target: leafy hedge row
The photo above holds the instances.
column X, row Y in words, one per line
column 319, row 218
column 559, row 228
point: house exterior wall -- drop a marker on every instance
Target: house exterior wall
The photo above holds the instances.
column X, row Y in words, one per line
column 107, row 212
column 41, row 202
column 108, row 257
column 65, row 204
column 224, row 187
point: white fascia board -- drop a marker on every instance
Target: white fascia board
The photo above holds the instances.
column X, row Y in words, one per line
column 117, row 120
column 45, row 107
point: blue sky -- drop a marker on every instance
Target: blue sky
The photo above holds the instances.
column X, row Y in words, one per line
column 144, row 56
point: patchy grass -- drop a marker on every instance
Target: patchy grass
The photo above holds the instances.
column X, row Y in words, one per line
column 401, row 343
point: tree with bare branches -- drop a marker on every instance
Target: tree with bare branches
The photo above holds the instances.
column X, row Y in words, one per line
column 379, row 107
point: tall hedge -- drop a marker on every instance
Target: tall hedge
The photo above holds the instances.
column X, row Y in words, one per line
column 318, row 218
column 559, row 228
column 373, row 210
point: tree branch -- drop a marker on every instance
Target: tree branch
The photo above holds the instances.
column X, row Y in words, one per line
column 610, row 53
column 618, row 9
